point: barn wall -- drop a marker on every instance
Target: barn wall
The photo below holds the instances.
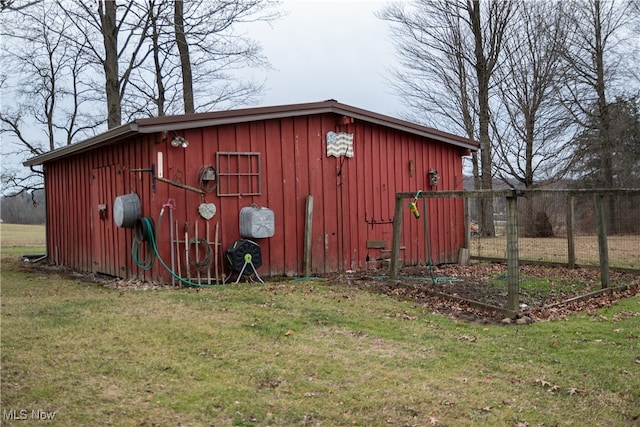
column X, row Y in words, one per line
column 354, row 198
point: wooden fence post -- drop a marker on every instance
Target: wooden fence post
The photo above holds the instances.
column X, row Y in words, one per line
column 513, row 285
column 395, row 242
column 603, row 248
column 467, row 223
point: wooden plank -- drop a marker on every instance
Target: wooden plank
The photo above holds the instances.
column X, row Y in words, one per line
column 308, row 235
column 376, row 244
column 302, row 170
column 96, row 235
column 273, row 176
column 316, row 187
column 330, row 192
column 258, row 144
column 290, row 210
column 352, row 242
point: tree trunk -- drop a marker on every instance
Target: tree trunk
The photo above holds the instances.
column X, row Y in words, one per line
column 487, row 227
column 160, row 100
column 107, row 11
column 185, row 62
column 606, row 145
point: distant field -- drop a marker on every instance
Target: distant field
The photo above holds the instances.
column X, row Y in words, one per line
column 624, row 251
column 18, row 237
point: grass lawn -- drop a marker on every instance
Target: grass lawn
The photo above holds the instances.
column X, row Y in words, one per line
column 299, row 353
column 19, row 239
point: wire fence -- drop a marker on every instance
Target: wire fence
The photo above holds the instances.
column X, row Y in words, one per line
column 561, row 227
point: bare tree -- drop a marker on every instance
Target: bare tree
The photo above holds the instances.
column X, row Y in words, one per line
column 433, row 76
column 211, row 48
column 81, row 54
column 599, row 34
column 155, row 81
column 16, row 5
column 47, row 88
column 462, row 41
column 23, row 208
column 123, row 32
column 185, row 60
column 532, row 128
column 196, row 48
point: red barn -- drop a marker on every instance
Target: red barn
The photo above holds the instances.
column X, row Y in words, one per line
column 106, row 194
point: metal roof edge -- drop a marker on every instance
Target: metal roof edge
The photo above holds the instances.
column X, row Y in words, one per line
column 190, row 121
column 110, row 135
column 407, row 126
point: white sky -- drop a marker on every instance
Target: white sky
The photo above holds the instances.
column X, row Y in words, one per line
column 320, row 49
column 328, row 49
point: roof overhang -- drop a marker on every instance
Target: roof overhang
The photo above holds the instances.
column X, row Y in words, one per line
column 217, row 118
column 109, row 137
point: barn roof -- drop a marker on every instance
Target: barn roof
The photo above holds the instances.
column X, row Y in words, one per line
column 190, row 121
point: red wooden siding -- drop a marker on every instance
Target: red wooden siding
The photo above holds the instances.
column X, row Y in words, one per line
column 354, row 198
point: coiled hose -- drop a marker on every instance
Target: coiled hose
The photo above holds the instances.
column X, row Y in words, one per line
column 205, row 261
column 144, row 232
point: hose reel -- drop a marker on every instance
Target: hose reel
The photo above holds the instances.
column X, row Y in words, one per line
column 244, row 253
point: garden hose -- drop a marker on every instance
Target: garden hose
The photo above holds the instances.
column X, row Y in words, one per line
column 144, row 232
column 204, row 262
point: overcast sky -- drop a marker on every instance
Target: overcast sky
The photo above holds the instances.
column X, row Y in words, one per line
column 321, row 49
column 328, row 49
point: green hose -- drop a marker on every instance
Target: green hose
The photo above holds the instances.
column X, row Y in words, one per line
column 144, row 233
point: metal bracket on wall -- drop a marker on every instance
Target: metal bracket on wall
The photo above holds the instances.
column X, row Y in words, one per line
column 152, row 170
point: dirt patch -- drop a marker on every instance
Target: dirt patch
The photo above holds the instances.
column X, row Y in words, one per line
column 478, row 292
column 460, row 292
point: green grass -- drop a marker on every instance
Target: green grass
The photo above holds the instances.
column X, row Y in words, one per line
column 533, row 289
column 19, row 239
column 301, row 353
